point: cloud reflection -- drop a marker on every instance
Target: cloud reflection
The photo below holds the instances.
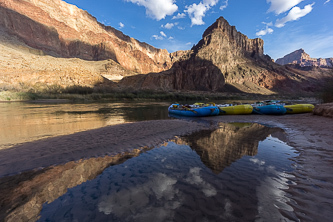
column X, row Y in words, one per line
column 195, row 178
column 137, row 200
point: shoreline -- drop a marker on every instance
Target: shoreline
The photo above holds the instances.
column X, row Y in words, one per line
column 310, row 135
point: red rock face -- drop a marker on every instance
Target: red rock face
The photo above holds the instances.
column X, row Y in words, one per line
column 61, row 29
column 223, row 57
column 303, row 59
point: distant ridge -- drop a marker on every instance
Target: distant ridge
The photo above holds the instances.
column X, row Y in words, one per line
column 303, row 59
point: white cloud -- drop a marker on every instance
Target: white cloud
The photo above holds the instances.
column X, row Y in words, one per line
column 121, row 25
column 157, row 37
column 280, row 6
column 163, row 34
column 169, row 25
column 264, row 31
column 294, row 14
column 196, row 12
column 327, row 2
column 157, row 9
column 225, row 5
column 269, row 23
column 179, row 16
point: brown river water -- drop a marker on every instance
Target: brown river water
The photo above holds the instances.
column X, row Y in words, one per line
column 25, row 122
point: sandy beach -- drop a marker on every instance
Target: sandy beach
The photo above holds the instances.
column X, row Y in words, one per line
column 309, row 134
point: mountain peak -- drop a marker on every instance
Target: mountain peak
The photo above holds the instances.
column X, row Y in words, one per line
column 301, row 58
column 226, row 45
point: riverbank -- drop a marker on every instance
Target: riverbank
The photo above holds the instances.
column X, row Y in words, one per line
column 310, row 192
column 82, row 95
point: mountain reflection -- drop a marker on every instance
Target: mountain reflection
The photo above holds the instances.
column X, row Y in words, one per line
column 22, row 196
column 219, row 148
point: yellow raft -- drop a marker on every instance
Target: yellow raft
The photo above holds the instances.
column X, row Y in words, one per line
column 236, row 110
column 299, row 108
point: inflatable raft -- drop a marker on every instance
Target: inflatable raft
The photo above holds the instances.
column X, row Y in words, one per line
column 269, row 109
column 194, row 110
column 299, row 108
column 235, row 109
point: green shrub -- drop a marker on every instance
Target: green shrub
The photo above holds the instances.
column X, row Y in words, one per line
column 83, row 90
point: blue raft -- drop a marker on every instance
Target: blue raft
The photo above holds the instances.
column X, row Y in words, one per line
column 269, row 109
column 180, row 110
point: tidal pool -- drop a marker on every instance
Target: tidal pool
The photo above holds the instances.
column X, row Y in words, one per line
column 237, row 172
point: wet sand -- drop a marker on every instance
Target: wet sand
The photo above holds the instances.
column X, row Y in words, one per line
column 109, row 140
column 311, row 192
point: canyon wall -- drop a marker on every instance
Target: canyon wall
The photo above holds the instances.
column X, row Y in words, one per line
column 50, row 42
column 63, row 30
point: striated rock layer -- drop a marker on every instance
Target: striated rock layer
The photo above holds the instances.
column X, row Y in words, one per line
column 63, row 30
column 301, row 58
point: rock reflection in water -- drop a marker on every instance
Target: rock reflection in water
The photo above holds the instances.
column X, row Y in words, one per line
column 171, row 183
column 22, row 196
column 230, row 142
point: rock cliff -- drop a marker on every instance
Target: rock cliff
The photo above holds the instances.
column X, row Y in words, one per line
column 63, row 30
column 301, row 58
column 222, row 44
column 226, row 60
column 50, row 42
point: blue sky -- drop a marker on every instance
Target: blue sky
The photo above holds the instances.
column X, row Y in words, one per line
column 284, row 25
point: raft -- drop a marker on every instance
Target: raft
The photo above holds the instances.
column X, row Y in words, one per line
column 236, row 110
column 299, row 108
column 269, row 109
column 195, row 111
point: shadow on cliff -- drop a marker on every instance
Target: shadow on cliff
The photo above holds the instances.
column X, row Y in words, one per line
column 288, row 79
column 192, row 74
column 47, row 39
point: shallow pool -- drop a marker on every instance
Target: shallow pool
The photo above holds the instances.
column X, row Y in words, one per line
column 235, row 173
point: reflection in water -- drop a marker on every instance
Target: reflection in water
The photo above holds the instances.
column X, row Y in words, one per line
column 25, row 122
column 22, row 196
column 170, row 183
column 230, row 142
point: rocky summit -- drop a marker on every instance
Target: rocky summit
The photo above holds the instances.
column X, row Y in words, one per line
column 49, row 43
column 225, row 60
column 301, row 58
